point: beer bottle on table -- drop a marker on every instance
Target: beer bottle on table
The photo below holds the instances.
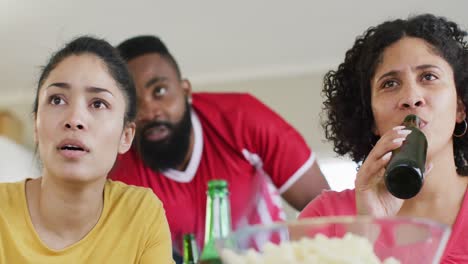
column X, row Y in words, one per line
column 217, row 221
column 190, row 249
column 404, row 175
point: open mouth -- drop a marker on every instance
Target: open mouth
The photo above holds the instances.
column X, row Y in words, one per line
column 156, row 133
column 72, row 148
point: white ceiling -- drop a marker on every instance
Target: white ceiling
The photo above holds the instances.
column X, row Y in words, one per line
column 214, row 41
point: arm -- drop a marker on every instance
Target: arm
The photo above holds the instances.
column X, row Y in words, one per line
column 306, row 188
column 331, row 203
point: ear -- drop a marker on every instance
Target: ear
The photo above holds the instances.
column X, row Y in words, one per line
column 461, row 111
column 186, row 87
column 126, row 138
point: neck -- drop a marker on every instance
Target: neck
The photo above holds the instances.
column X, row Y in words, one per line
column 443, row 177
column 65, row 210
column 188, row 156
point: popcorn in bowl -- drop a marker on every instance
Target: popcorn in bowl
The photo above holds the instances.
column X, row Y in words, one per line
column 350, row 249
column 341, row 239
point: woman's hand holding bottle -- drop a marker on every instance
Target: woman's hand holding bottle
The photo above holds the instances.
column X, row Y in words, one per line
column 372, row 196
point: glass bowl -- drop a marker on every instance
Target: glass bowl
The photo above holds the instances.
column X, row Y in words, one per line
column 337, row 240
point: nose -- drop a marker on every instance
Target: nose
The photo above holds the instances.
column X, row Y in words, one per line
column 75, row 120
column 74, row 125
column 412, row 103
column 411, row 97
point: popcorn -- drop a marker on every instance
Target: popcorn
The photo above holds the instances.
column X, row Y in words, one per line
column 351, row 249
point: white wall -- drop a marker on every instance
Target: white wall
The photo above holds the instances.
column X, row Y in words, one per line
column 16, row 162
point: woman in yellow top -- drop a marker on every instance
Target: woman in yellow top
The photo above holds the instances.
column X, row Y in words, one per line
column 84, row 110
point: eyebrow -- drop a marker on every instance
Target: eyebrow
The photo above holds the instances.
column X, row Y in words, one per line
column 419, row 67
column 90, row 89
column 426, row 66
column 154, row 80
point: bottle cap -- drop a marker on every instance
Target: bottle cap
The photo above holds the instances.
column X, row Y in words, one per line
column 217, row 184
column 189, row 236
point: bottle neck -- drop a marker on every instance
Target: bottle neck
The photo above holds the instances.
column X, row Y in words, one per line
column 217, row 225
column 190, row 250
column 218, row 217
column 411, row 121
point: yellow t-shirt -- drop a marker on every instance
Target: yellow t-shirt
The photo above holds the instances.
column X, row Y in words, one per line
column 132, row 229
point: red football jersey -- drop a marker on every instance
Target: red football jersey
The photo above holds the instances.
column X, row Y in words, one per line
column 238, row 139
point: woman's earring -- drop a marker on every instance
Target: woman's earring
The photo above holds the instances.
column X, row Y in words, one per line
column 464, row 130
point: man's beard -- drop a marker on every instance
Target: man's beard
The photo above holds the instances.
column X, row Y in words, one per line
column 171, row 151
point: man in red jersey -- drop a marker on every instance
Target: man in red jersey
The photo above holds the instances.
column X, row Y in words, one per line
column 185, row 139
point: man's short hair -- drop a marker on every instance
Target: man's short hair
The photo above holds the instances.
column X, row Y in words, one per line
column 145, row 44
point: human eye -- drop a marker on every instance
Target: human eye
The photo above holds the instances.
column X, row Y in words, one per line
column 159, row 91
column 99, row 104
column 389, row 84
column 56, row 100
column 428, row 76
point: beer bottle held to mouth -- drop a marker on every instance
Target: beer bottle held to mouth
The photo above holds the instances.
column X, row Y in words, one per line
column 404, row 176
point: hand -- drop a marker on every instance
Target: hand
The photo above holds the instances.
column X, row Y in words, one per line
column 372, row 196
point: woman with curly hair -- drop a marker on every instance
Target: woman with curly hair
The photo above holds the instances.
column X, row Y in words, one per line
column 415, row 66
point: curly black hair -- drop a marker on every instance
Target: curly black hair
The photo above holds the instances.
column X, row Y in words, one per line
column 347, row 91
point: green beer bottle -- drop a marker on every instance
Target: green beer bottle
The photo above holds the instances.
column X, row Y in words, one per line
column 218, row 220
column 190, row 249
column 404, row 175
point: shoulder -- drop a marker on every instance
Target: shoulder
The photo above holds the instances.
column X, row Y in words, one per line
column 331, row 203
column 11, row 190
column 140, row 213
column 225, row 100
column 237, row 108
column 347, row 194
column 228, row 111
column 132, row 196
column 233, row 96
column 11, row 195
column 8, row 186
